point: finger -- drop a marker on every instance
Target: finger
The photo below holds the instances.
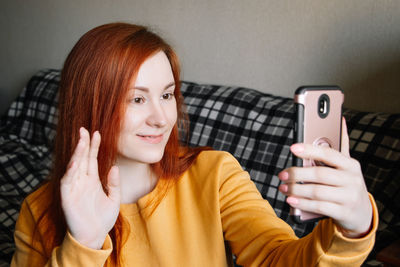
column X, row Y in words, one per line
column 345, row 146
column 70, row 173
column 113, row 184
column 93, row 152
column 314, row 192
column 329, row 156
column 319, row 175
column 326, row 208
column 75, row 161
column 83, row 164
column 78, row 152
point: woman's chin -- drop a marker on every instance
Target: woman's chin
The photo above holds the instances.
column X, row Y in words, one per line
column 144, row 158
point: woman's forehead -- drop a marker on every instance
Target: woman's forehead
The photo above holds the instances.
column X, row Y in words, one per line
column 155, row 71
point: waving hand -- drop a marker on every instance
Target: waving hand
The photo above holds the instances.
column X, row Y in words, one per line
column 89, row 212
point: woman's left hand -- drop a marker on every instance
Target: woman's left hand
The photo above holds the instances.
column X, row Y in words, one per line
column 337, row 191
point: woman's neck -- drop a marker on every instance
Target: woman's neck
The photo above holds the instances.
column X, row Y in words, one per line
column 137, row 180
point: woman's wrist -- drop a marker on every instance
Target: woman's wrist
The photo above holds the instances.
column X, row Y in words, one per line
column 354, row 234
column 92, row 243
column 361, row 231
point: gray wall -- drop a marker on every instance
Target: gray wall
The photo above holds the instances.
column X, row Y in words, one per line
column 272, row 46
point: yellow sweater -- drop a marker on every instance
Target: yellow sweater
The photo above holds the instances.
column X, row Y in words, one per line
column 213, row 201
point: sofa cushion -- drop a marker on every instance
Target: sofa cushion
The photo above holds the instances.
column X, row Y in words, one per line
column 26, row 134
column 375, row 143
column 33, row 115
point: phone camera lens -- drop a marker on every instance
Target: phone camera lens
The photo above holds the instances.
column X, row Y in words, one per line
column 323, row 106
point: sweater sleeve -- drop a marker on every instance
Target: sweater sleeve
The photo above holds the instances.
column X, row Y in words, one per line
column 259, row 238
column 69, row 253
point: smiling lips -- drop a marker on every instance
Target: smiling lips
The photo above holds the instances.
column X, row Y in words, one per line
column 151, row 139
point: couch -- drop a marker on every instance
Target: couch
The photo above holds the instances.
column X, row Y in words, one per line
column 255, row 127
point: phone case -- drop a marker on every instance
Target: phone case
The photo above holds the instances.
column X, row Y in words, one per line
column 318, row 121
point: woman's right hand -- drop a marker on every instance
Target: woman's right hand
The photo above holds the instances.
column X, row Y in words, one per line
column 89, row 212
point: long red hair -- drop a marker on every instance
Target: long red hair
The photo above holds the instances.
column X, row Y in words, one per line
column 94, row 83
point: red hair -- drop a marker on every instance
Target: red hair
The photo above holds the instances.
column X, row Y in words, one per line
column 94, row 83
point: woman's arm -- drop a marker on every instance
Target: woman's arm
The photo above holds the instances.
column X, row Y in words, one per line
column 259, row 238
column 89, row 213
column 69, row 253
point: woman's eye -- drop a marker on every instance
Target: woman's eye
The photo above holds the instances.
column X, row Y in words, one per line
column 138, row 100
column 167, row 96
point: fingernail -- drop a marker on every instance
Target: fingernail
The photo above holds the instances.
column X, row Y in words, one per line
column 284, row 175
column 297, row 148
column 292, row 200
column 283, row 188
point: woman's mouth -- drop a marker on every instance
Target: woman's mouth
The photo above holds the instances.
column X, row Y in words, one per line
column 151, row 139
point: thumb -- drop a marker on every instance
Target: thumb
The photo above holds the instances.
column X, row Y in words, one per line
column 113, row 184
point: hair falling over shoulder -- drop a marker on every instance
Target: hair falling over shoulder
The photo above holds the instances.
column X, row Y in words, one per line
column 94, row 83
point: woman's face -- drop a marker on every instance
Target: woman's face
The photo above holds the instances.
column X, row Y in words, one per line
column 151, row 112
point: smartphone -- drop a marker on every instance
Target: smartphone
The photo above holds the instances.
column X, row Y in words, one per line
column 318, row 121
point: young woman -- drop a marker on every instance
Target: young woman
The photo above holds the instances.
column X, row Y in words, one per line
column 123, row 192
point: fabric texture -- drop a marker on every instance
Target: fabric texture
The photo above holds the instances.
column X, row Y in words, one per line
column 213, row 201
column 255, row 127
column 26, row 133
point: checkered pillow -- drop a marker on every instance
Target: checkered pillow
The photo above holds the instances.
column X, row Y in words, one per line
column 375, row 143
column 33, row 115
column 26, row 133
column 255, row 127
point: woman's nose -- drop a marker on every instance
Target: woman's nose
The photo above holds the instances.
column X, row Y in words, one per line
column 157, row 116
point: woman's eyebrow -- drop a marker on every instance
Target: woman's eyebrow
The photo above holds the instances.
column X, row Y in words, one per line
column 145, row 89
column 141, row 88
column 171, row 84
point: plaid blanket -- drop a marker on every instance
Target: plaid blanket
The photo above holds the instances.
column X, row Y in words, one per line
column 255, row 127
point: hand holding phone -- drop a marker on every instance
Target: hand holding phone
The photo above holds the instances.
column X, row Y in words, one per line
column 337, row 189
column 318, row 122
